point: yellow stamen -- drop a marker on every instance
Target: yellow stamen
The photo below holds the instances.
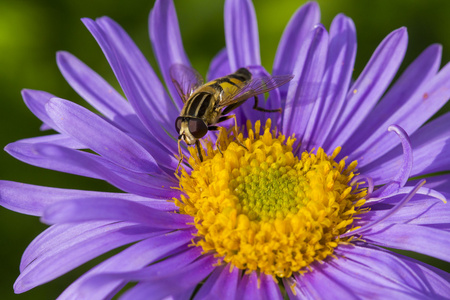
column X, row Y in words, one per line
column 262, row 208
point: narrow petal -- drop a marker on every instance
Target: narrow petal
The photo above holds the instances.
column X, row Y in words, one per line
column 136, row 257
column 439, row 183
column 60, row 249
column 337, row 77
column 422, row 239
column 97, row 209
column 222, row 283
column 242, row 45
column 248, row 287
column 86, row 164
column 412, row 276
column 294, row 35
column 55, row 139
column 28, row 153
column 173, row 266
column 220, row 66
column 421, row 210
column 388, row 213
column 317, row 284
column 175, row 284
column 35, row 101
column 394, row 108
column 33, row 199
column 344, row 278
column 404, row 170
column 100, row 136
column 370, row 85
column 269, row 287
column 430, row 146
column 156, row 98
column 167, row 44
column 303, row 90
column 141, row 86
column 97, row 92
column 241, row 34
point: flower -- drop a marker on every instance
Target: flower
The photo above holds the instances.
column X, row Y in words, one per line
column 297, row 208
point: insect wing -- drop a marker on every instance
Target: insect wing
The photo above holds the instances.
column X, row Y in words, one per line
column 185, row 79
column 256, row 86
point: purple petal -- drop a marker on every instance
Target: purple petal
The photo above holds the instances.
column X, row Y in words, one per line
column 133, row 258
column 35, row 101
column 407, row 273
column 222, row 283
column 220, row 66
column 421, row 210
column 138, row 81
column 32, row 199
column 241, row 34
column 55, row 139
column 97, row 92
column 439, row 183
column 317, row 284
column 430, row 148
column 87, row 164
column 422, row 239
column 157, row 101
column 60, row 249
column 167, row 44
column 404, row 170
column 248, row 287
column 369, row 86
column 170, row 267
column 337, row 77
column 30, row 154
column 302, row 93
column 294, row 35
column 269, row 287
column 396, row 107
column 387, row 214
column 176, row 284
column 97, row 209
column 100, row 136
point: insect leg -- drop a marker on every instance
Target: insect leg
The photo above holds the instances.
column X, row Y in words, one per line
column 197, row 144
column 180, row 155
column 215, row 128
column 236, row 132
column 256, row 107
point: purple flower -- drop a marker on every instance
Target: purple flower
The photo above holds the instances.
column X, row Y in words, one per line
column 301, row 211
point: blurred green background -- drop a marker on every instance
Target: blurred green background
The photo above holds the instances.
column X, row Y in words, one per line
column 32, row 31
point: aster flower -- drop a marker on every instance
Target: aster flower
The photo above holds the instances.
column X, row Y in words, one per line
column 301, row 211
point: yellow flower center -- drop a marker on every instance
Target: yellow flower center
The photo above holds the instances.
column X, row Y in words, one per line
column 262, row 208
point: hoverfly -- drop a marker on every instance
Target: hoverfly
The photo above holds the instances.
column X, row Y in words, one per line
column 206, row 105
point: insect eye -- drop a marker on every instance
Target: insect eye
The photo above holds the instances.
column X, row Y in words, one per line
column 178, row 124
column 197, row 127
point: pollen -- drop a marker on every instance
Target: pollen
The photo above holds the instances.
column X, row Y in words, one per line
column 262, row 208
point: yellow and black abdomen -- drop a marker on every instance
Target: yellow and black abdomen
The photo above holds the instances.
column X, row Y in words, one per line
column 204, row 102
column 199, row 105
column 231, row 83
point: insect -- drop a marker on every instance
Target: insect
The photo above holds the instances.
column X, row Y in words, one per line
column 206, row 105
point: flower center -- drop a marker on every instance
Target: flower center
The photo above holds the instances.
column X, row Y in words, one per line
column 260, row 207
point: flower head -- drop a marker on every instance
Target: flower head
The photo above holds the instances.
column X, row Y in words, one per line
column 295, row 204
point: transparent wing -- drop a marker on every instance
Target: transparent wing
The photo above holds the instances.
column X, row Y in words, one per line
column 185, row 79
column 255, row 86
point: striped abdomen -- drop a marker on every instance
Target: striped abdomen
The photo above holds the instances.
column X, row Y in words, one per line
column 198, row 105
column 203, row 102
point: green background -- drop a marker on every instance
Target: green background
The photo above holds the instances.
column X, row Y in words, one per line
column 32, row 31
